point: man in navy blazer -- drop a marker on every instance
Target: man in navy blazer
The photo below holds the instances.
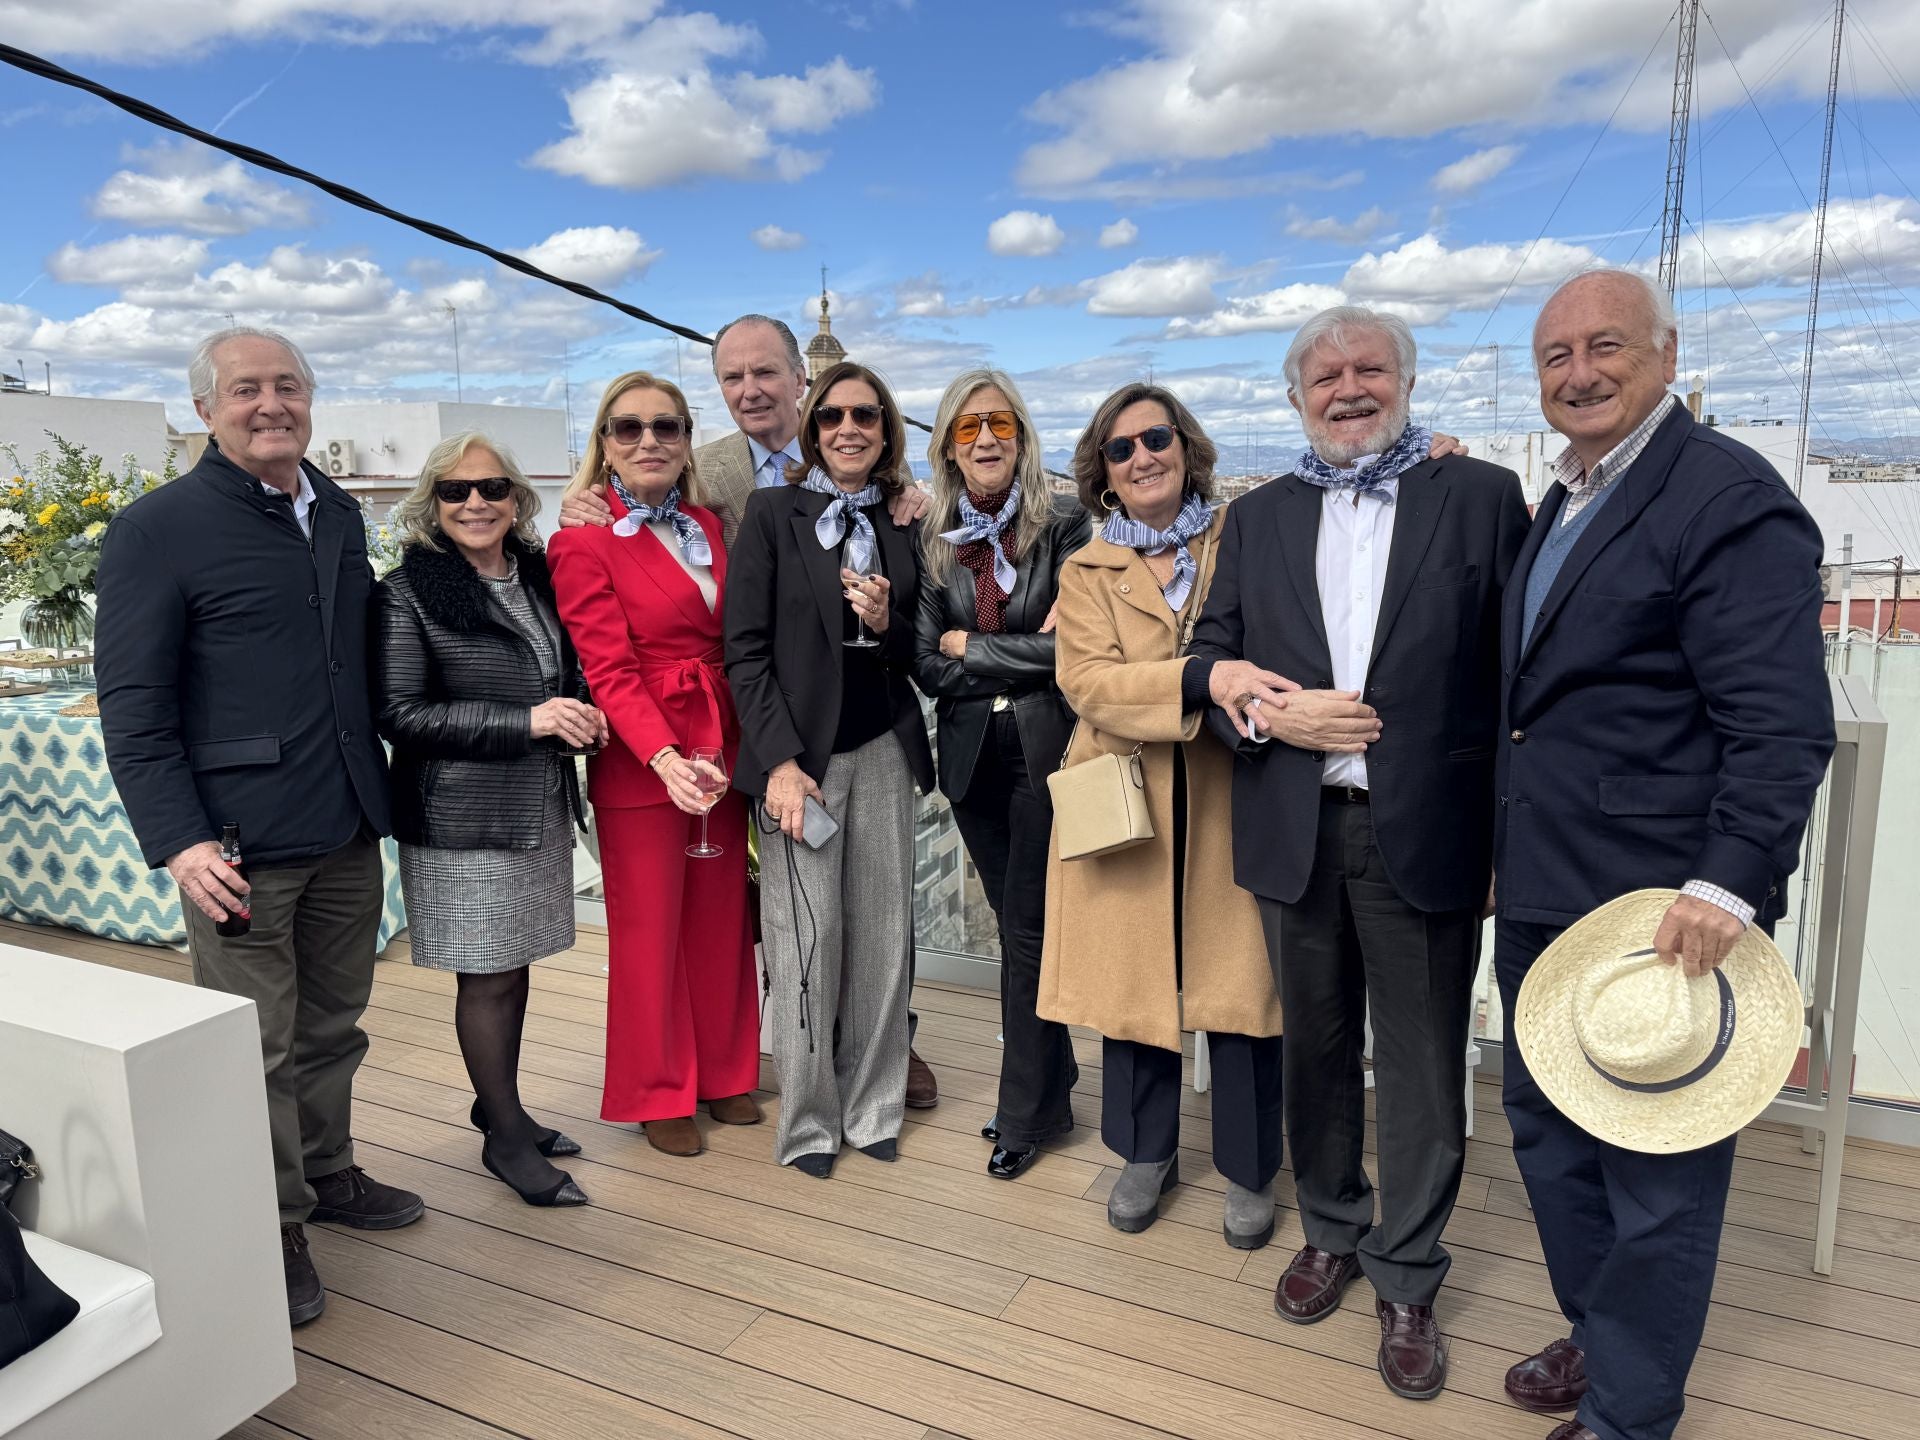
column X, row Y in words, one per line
column 1371, row 575
column 1666, row 724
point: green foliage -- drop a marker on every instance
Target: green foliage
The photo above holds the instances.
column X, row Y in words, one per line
column 54, row 513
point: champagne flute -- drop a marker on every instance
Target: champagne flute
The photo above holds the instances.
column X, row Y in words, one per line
column 710, row 774
column 863, row 638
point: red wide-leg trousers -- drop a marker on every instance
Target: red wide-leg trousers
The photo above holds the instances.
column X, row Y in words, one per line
column 683, row 1015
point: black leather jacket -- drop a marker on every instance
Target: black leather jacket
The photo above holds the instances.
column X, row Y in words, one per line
column 1018, row 663
column 454, row 682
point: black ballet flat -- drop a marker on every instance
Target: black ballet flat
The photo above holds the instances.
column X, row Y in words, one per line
column 888, row 1149
column 817, row 1163
column 566, row 1192
column 548, row 1142
column 1007, row 1162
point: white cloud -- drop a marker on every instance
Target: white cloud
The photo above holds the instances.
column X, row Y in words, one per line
column 635, row 128
column 1278, row 310
column 128, row 260
column 1470, row 172
column 1120, row 234
column 1025, row 232
column 1869, row 238
column 1216, row 79
column 1183, row 286
column 594, row 255
column 772, row 237
column 1424, row 281
column 181, row 187
column 1357, row 231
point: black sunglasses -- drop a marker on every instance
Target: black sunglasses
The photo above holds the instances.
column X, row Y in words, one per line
column 867, row 417
column 1156, row 438
column 628, row 429
column 455, row 492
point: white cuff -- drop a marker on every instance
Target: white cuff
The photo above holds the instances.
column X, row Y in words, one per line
column 1725, row 899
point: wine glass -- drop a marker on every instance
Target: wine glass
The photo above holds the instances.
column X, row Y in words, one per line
column 710, row 775
column 862, row 637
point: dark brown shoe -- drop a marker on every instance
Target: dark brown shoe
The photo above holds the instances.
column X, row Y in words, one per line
column 735, row 1110
column 923, row 1091
column 1552, row 1381
column 1413, row 1356
column 1310, row 1286
column 1571, row 1430
column 678, row 1136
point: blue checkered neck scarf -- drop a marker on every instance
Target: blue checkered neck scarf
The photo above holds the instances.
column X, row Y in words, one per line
column 1367, row 475
column 846, row 509
column 1193, row 519
column 693, row 540
column 976, row 525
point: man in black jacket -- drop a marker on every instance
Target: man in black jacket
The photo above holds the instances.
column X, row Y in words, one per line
column 232, row 663
column 1667, row 723
column 1372, row 575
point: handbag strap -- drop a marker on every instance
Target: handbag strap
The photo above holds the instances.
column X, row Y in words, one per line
column 1190, row 612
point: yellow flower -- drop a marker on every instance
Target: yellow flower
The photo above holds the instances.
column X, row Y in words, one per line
column 95, row 530
column 45, row 517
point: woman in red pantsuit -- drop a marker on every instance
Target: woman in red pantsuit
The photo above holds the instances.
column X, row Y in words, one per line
column 642, row 602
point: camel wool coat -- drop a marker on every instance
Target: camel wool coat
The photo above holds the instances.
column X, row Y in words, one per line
column 1109, row 956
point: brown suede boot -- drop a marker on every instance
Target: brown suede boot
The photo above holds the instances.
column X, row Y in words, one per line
column 678, row 1136
column 735, row 1110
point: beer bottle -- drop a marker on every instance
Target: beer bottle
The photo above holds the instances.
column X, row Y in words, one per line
column 239, row 921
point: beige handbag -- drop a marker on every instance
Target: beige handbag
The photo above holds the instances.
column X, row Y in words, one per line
column 1100, row 805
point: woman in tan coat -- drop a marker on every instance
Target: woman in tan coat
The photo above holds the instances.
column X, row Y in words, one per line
column 1144, row 942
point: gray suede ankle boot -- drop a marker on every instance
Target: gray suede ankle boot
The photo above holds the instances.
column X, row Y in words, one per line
column 1135, row 1201
column 1248, row 1223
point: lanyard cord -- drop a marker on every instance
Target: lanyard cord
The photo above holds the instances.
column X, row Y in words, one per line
column 796, row 897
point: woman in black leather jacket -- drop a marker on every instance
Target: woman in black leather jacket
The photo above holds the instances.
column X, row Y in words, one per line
column 479, row 692
column 992, row 544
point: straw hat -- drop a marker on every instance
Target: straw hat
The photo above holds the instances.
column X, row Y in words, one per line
column 1637, row 1053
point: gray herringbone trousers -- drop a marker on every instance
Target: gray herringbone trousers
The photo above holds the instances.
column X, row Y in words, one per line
column 837, row 927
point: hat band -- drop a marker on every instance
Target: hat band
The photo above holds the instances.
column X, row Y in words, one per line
column 1699, row 1072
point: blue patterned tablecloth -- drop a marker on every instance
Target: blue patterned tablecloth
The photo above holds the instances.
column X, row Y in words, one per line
column 67, row 852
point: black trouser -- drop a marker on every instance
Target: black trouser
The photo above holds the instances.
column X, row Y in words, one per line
column 1006, row 819
column 1140, row 1104
column 1348, row 947
column 1631, row 1240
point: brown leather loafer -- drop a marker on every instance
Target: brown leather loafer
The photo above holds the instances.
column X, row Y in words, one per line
column 1571, row 1430
column 923, row 1091
column 735, row 1110
column 1413, row 1356
column 1310, row 1286
column 678, row 1136
column 1552, row 1381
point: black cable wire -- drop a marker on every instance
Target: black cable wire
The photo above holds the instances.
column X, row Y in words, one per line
column 34, row 65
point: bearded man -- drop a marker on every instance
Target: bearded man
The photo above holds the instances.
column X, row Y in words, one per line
column 1371, row 575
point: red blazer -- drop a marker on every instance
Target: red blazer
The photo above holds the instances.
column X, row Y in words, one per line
column 650, row 648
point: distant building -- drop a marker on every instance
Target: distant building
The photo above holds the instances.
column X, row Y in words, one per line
column 824, row 351
column 109, row 428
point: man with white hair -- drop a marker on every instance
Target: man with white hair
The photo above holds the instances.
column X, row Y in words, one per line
column 231, row 651
column 1666, row 725
column 1372, row 574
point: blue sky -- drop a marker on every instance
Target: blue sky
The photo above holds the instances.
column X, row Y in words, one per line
column 1077, row 195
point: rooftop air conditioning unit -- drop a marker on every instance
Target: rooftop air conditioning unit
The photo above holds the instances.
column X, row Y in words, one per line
column 340, row 460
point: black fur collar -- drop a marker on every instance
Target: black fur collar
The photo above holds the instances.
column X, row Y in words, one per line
column 449, row 588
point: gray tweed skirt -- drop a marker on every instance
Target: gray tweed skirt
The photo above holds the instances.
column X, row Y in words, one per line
column 483, row 911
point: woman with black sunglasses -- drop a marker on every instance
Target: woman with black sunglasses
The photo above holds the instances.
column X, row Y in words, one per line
column 1153, row 939
column 991, row 552
column 820, row 607
column 481, row 697
column 643, row 601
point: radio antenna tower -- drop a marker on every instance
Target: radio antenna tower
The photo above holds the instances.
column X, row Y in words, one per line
column 1671, row 218
column 1819, row 247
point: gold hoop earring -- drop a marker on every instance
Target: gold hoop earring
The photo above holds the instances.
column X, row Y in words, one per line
column 1110, row 508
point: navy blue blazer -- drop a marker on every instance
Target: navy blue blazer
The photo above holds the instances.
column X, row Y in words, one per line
column 1433, row 677
column 1669, row 718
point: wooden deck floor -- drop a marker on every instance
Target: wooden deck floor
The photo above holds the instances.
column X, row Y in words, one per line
column 923, row 1300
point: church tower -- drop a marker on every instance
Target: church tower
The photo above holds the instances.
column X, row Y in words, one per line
column 824, row 351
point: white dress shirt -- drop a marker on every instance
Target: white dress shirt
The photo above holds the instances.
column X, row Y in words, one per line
column 1350, row 569
column 302, row 503
column 770, row 466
